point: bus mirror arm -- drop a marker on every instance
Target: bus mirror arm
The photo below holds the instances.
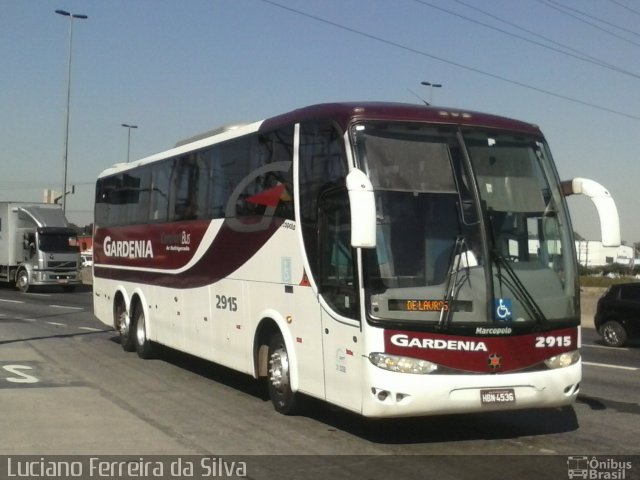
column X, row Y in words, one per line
column 603, row 201
column 363, row 209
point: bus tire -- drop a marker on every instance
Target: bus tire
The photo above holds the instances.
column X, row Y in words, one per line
column 144, row 346
column 22, row 280
column 279, row 379
column 126, row 330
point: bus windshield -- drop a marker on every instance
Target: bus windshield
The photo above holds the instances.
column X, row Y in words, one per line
column 471, row 228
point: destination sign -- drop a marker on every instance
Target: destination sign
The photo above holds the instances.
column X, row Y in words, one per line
column 414, row 305
column 426, row 305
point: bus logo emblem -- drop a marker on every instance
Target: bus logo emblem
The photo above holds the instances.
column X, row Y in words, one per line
column 494, row 361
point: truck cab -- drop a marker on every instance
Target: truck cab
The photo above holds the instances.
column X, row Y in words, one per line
column 38, row 247
column 50, row 258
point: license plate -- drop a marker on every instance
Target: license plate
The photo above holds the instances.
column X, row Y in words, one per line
column 497, row 396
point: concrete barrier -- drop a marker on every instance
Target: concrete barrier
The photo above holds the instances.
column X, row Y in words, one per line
column 588, row 302
column 86, row 275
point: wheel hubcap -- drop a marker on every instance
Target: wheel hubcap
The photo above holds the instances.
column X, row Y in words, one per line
column 279, row 370
column 611, row 335
column 140, row 330
column 124, row 324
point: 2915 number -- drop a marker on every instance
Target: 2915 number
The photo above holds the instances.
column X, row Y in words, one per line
column 550, row 342
column 226, row 303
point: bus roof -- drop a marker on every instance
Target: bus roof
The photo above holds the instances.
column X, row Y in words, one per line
column 347, row 112
column 343, row 113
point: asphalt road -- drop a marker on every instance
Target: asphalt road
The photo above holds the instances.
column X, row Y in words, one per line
column 66, row 387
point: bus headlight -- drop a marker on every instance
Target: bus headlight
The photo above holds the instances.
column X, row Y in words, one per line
column 399, row 364
column 563, row 360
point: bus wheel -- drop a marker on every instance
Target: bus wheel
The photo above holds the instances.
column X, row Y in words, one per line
column 144, row 346
column 22, row 281
column 282, row 397
column 127, row 339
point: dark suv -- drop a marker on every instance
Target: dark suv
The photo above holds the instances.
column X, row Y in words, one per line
column 617, row 317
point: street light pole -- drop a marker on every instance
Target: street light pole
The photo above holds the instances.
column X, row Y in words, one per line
column 431, row 87
column 128, row 127
column 66, row 133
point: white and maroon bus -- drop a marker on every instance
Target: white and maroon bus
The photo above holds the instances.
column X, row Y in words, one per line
column 395, row 260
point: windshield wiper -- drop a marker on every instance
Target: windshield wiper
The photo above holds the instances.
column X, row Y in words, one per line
column 517, row 288
column 452, row 287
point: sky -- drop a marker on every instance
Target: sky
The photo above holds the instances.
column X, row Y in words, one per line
column 177, row 68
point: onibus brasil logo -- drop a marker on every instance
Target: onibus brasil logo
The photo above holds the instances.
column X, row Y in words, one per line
column 598, row 468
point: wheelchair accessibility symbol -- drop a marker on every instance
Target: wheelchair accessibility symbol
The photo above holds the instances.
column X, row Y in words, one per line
column 502, row 307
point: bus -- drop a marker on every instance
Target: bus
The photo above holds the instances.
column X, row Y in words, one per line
column 391, row 259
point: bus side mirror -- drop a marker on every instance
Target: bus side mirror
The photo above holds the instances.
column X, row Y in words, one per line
column 606, row 207
column 363, row 209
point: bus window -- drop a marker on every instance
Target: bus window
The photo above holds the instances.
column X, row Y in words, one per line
column 160, row 185
column 136, row 186
column 322, row 164
column 190, row 188
column 337, row 275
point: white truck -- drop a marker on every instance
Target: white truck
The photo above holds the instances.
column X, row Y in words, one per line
column 37, row 246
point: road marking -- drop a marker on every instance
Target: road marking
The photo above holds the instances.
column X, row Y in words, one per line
column 11, row 301
column 92, row 329
column 57, row 324
column 67, row 306
column 606, row 365
column 604, row 347
column 23, row 377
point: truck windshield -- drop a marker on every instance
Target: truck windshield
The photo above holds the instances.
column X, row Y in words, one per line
column 58, row 242
column 471, row 228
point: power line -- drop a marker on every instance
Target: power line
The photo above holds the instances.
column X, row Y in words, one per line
column 90, row 182
column 579, row 54
column 566, row 11
column 620, row 4
column 592, row 17
column 450, row 62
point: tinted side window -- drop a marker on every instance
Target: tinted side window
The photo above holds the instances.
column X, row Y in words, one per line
column 337, row 279
column 322, row 166
column 239, row 164
column 630, row 292
column 199, row 184
column 136, row 194
column 160, row 190
column 123, row 198
column 189, row 197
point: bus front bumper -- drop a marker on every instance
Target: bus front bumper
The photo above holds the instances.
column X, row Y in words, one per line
column 393, row 394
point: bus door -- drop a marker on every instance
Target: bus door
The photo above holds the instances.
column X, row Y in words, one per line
column 341, row 333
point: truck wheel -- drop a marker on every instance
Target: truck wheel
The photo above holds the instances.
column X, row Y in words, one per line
column 613, row 334
column 144, row 346
column 22, row 281
column 279, row 380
